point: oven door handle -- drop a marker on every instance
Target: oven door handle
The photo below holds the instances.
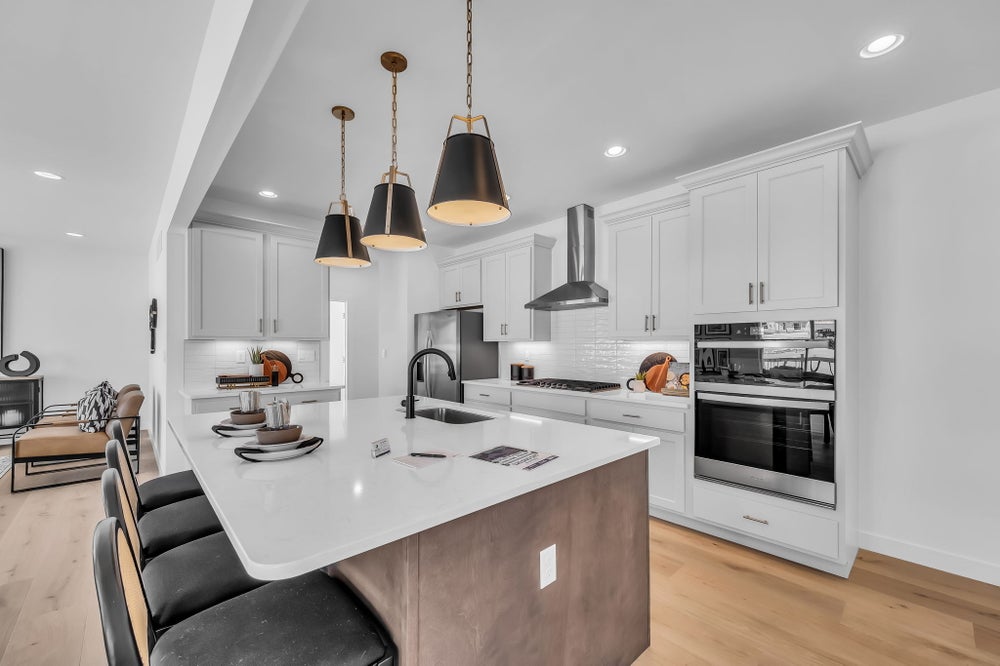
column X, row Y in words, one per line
column 763, row 344
column 811, row 405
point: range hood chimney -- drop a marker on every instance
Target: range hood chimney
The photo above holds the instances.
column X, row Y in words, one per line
column 580, row 290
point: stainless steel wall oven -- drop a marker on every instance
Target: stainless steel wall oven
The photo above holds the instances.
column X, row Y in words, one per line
column 765, row 407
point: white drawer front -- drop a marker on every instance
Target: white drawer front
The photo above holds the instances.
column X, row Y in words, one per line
column 494, row 396
column 613, row 425
column 662, row 418
column 559, row 416
column 792, row 528
column 552, row 403
column 487, row 406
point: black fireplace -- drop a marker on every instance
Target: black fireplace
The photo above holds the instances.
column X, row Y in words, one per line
column 20, row 399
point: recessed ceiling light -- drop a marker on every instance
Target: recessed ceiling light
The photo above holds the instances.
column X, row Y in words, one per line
column 268, row 194
column 49, row 175
column 74, row 234
column 615, row 151
column 881, row 46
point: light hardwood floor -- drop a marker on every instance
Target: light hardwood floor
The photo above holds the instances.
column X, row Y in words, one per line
column 713, row 602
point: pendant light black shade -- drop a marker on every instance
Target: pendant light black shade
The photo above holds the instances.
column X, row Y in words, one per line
column 468, row 189
column 393, row 221
column 340, row 243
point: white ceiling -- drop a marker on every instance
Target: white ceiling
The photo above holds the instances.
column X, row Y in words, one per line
column 684, row 84
column 96, row 92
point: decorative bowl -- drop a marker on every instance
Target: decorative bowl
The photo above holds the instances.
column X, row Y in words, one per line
column 279, row 435
column 246, row 418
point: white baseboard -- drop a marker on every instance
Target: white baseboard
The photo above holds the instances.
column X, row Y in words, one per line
column 987, row 572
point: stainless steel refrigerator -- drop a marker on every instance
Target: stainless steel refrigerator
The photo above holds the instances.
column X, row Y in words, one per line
column 459, row 334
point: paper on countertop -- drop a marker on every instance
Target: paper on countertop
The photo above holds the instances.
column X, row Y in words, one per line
column 417, row 462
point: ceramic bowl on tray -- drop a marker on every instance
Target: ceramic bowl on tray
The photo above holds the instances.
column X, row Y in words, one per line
column 246, row 418
column 279, row 435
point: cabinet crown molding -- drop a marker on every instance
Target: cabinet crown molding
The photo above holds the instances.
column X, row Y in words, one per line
column 849, row 137
column 532, row 240
column 661, row 206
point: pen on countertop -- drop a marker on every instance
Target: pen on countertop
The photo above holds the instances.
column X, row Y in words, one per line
column 428, row 455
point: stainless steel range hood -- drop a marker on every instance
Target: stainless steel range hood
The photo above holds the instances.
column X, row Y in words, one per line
column 580, row 290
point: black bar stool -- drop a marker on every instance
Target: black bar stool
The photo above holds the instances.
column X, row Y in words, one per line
column 308, row 620
column 157, row 492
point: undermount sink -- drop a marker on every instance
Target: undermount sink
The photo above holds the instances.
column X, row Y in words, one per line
column 447, row 415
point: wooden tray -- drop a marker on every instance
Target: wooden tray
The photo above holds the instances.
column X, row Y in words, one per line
column 680, row 393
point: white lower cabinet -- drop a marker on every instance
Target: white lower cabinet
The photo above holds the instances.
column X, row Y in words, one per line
column 491, row 399
column 562, row 407
column 730, row 507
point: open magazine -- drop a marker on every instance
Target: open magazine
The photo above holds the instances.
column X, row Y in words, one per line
column 510, row 456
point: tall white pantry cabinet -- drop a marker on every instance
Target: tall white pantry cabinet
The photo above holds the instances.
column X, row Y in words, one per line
column 774, row 236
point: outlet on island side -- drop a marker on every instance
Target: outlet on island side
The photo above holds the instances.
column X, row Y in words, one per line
column 547, row 567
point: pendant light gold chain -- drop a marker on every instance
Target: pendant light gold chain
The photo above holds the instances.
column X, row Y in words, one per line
column 394, row 120
column 468, row 56
column 343, row 158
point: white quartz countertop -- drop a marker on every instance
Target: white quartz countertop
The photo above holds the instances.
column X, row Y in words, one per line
column 287, row 387
column 286, row 518
column 621, row 395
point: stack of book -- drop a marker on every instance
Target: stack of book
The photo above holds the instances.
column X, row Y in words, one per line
column 241, row 381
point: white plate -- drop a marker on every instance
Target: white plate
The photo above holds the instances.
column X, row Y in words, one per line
column 284, row 446
column 268, row 456
column 246, row 426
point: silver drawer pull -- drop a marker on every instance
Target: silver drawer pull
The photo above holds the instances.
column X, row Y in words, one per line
column 306, row 402
column 756, row 520
column 484, row 395
column 632, row 416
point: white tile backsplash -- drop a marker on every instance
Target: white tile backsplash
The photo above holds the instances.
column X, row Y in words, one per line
column 205, row 359
column 582, row 348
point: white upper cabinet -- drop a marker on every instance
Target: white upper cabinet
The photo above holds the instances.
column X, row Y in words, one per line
column 494, row 296
column 519, row 291
column 632, row 265
column 724, row 246
column 797, row 240
column 765, row 228
column 226, row 290
column 298, row 288
column 461, row 284
column 238, row 290
column 649, row 273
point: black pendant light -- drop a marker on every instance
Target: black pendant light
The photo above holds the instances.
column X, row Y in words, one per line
column 393, row 221
column 468, row 189
column 340, row 243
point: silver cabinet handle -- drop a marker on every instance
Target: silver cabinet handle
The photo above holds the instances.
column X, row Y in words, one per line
column 749, row 293
column 484, row 395
column 459, row 297
column 275, row 325
column 456, row 297
column 306, row 402
column 654, row 321
column 501, row 329
column 260, row 325
column 760, row 293
column 646, row 325
column 632, row 416
column 756, row 520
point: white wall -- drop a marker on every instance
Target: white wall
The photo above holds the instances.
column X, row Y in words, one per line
column 359, row 288
column 930, row 276
column 82, row 309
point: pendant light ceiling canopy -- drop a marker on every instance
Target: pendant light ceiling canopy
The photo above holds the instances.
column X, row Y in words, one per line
column 393, row 221
column 340, row 243
column 468, row 189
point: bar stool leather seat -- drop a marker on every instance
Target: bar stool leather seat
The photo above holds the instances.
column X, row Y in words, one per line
column 176, row 524
column 310, row 619
column 168, row 489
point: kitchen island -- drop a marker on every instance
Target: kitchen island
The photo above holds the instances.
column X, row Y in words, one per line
column 449, row 555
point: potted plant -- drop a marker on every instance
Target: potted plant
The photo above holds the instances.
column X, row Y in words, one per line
column 256, row 365
column 640, row 383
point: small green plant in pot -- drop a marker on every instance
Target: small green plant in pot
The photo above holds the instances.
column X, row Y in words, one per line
column 638, row 383
column 256, row 365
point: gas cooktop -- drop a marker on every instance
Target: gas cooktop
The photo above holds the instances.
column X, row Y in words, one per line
column 571, row 385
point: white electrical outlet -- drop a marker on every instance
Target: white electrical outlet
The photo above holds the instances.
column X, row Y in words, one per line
column 547, row 567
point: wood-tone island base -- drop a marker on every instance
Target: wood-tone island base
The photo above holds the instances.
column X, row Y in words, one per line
column 467, row 591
